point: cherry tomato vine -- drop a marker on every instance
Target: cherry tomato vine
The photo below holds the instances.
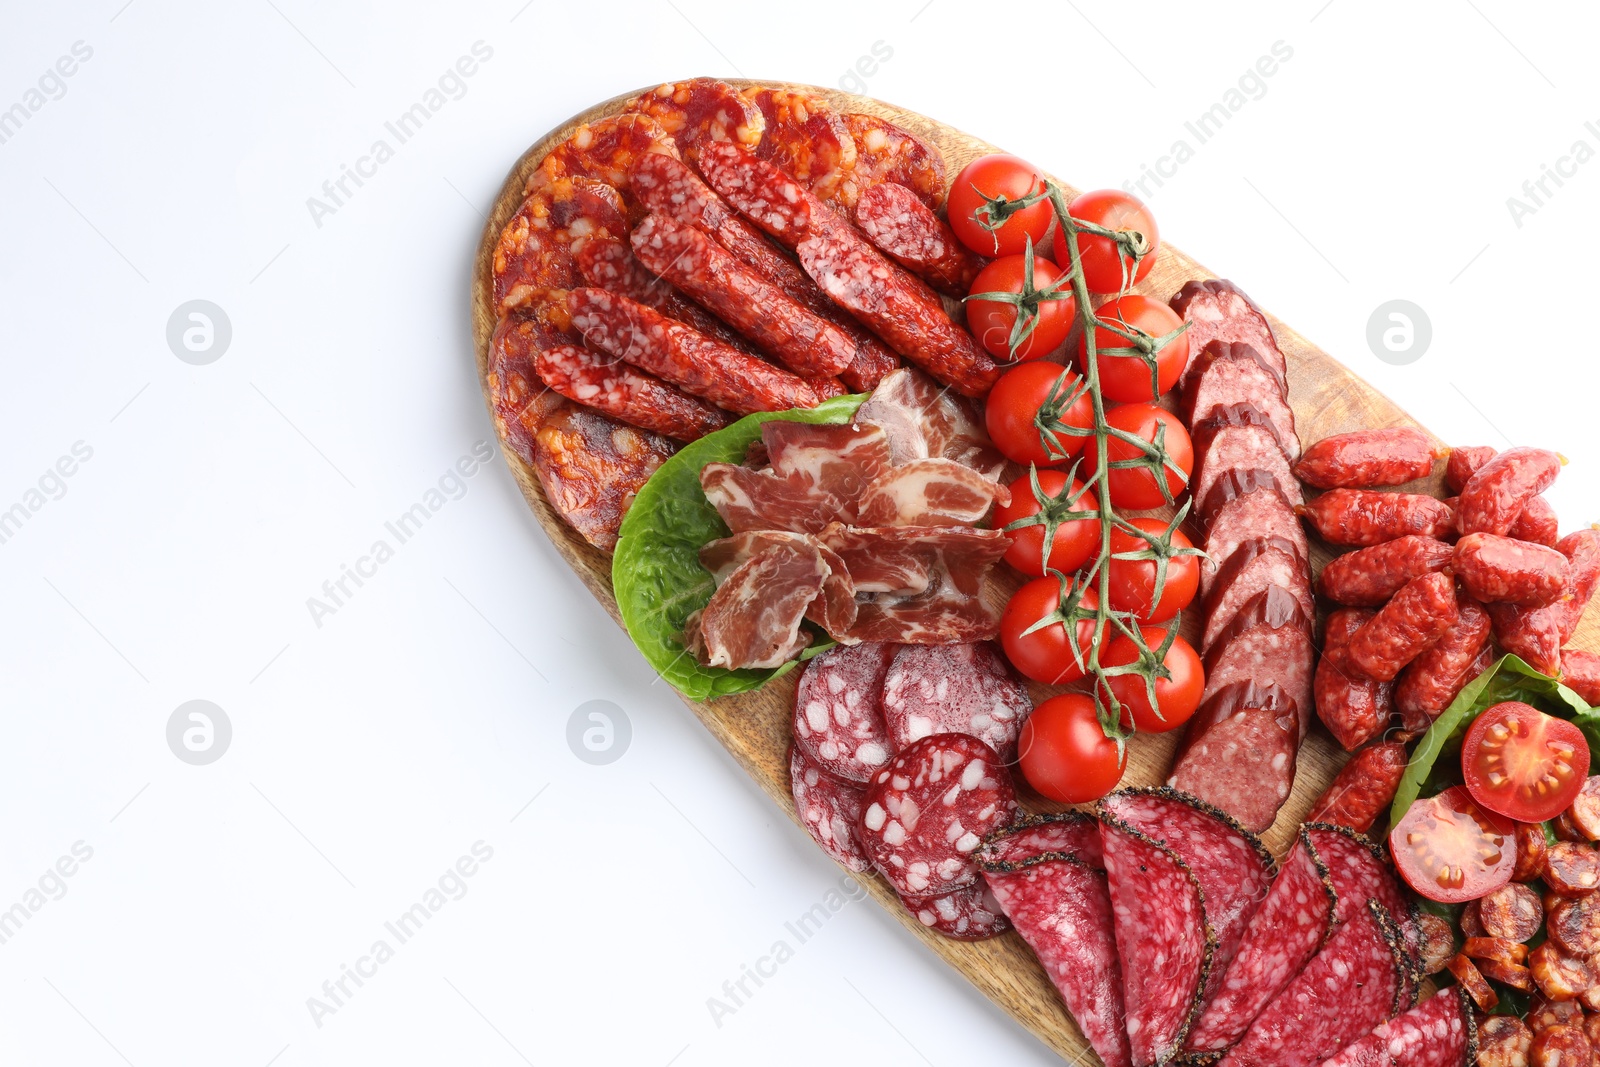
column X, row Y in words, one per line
column 1073, row 606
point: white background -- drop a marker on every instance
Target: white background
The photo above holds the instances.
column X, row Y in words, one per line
column 372, row 751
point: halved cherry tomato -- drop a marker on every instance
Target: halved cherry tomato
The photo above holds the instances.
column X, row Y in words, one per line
column 1047, row 654
column 1127, row 378
column 1075, row 540
column 1451, row 850
column 1047, row 302
column 1013, row 412
column 1105, row 270
column 1136, row 487
column 1522, row 763
column 1065, row 754
column 1177, row 697
column 1005, row 180
column 1132, row 581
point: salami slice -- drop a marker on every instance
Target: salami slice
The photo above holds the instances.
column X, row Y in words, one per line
column 1286, row 930
column 927, row 812
column 1034, row 838
column 1242, row 506
column 1164, row 941
column 1440, row 1033
column 968, row 914
column 1219, row 310
column 1233, row 867
column 887, row 153
column 838, row 711
column 1240, row 752
column 1224, row 374
column 1269, row 639
column 829, row 809
column 955, row 689
column 1239, row 437
column 1255, row 566
column 700, row 110
column 1062, row 909
column 1346, row 991
column 805, row 137
column 1360, row 873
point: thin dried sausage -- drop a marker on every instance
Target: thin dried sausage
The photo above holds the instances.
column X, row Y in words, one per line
column 1368, row 577
column 1497, row 492
column 1418, row 616
column 908, row 232
column 1498, row 569
column 1364, row 788
column 1367, row 459
column 610, row 264
column 1360, row 517
column 611, row 386
column 1432, row 680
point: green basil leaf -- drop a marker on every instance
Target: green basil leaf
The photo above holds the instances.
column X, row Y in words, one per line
column 655, row 571
column 1435, row 763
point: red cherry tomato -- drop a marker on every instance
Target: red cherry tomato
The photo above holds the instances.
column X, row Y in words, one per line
column 1451, row 850
column 1177, row 697
column 1015, row 403
column 991, row 178
column 1065, row 754
column 1075, row 540
column 1047, row 654
column 1136, row 488
column 1046, row 302
column 1127, row 378
column 1132, row 581
column 1522, row 763
column 1105, row 270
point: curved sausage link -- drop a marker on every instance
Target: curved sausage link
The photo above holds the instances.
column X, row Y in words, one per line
column 1497, row 492
column 1432, row 680
column 1366, row 459
column 1368, row 577
column 1364, row 789
column 1363, row 517
column 1503, row 570
column 1419, row 615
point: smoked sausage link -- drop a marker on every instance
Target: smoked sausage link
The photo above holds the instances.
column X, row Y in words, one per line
column 1352, row 706
column 1580, row 672
column 1497, row 492
column 1503, row 570
column 1364, row 789
column 1432, row 680
column 908, row 232
column 1366, row 459
column 1537, row 523
column 1368, row 577
column 1464, row 463
column 1420, row 613
column 1362, row 517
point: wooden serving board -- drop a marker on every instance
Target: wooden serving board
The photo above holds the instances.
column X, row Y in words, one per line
column 755, row 727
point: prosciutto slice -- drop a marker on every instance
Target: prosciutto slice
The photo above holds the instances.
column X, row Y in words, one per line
column 930, row 492
column 925, row 420
column 834, row 609
column 840, row 461
column 950, row 608
column 765, row 500
column 754, row 617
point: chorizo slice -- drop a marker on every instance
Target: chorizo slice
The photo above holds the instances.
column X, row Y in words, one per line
column 700, row 110
column 1572, row 869
column 1511, row 913
column 889, row 153
column 805, row 137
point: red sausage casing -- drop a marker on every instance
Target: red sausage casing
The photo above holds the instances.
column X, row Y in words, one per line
column 1432, row 680
column 1418, row 616
column 1363, row 789
column 1368, row 577
column 1364, row 459
column 1496, row 494
column 1363, row 517
column 1503, row 570
column 1354, row 708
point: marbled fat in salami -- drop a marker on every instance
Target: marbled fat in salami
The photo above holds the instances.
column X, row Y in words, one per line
column 1360, row 873
column 1233, row 867
column 1285, row 932
column 1164, row 942
column 829, row 810
column 1440, row 1033
column 959, row 689
column 1062, row 909
column 927, row 812
column 838, row 711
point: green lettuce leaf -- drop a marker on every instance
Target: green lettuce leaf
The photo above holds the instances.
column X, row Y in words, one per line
column 656, row 573
column 1435, row 763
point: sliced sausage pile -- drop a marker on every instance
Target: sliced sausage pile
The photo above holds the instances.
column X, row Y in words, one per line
column 1241, row 746
column 694, row 259
column 1169, row 936
column 899, row 766
column 866, row 529
column 1429, row 588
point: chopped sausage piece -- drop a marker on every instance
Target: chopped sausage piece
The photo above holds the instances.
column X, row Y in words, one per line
column 1361, row 517
column 1514, row 975
column 1513, row 913
column 1585, row 810
column 1497, row 492
column 1368, row 577
column 1419, row 615
column 1531, row 848
column 1543, row 1014
column 611, row 386
column 1472, row 980
column 1471, row 924
column 1497, row 949
column 1571, row 869
column 1558, row 975
column 1503, row 1041
column 1560, row 1046
column 1438, row 942
column 1503, row 570
column 1366, row 459
column 1565, row 829
column 1574, row 925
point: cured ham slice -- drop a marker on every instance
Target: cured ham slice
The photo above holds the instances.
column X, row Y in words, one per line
column 912, row 580
column 754, row 617
column 834, row 609
column 930, row 492
column 749, row 499
column 840, row 461
column 926, row 420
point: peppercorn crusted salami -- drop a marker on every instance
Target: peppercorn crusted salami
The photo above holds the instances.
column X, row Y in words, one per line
column 829, row 809
column 1360, row 873
column 926, row 813
column 838, row 711
column 1440, row 1033
column 1288, row 928
column 1164, row 941
column 1066, row 834
column 961, row 689
column 1062, row 908
column 1232, row 866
